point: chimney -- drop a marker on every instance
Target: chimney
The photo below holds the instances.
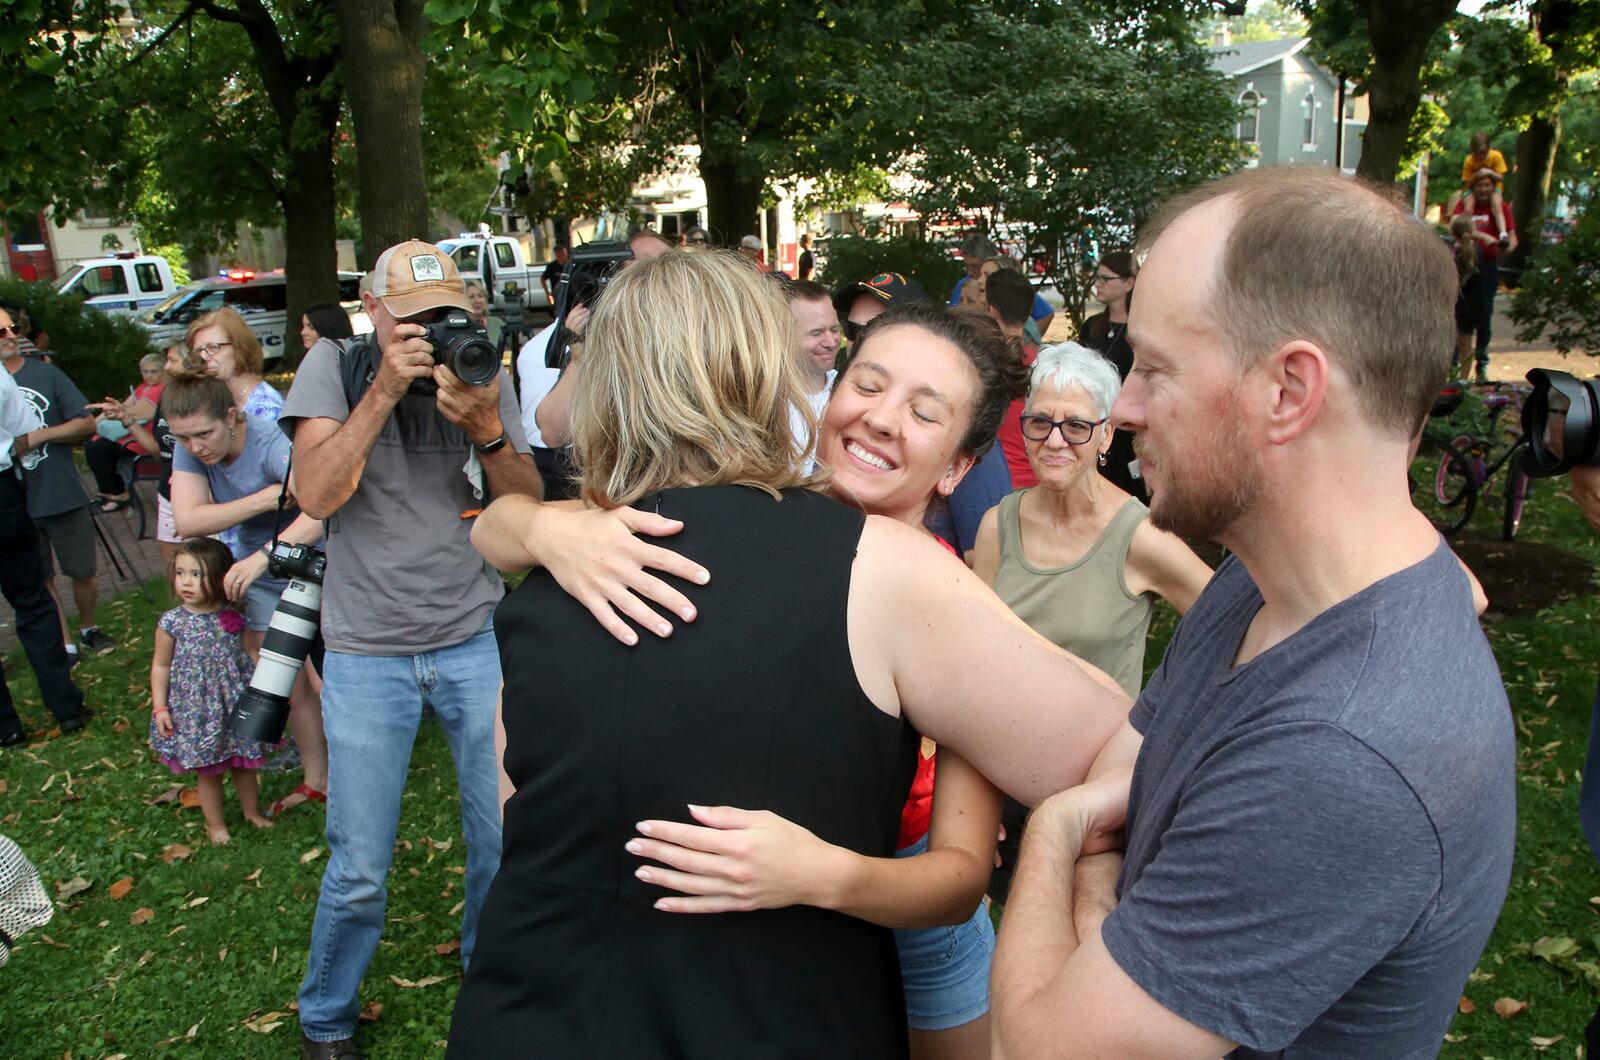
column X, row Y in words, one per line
column 1222, row 34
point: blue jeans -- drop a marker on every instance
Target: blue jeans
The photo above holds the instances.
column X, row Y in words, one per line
column 371, row 708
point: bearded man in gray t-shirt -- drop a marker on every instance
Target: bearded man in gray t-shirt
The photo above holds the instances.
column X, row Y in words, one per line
column 1317, row 787
column 397, row 468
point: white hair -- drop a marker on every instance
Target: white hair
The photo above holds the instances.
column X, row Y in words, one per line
column 1067, row 365
column 751, row 242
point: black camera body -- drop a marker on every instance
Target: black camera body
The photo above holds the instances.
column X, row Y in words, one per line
column 307, row 562
column 1561, row 421
column 462, row 346
column 588, row 270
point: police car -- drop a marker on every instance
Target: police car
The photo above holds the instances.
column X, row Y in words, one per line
column 259, row 298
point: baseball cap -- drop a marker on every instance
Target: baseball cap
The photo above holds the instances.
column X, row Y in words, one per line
column 414, row 277
column 893, row 288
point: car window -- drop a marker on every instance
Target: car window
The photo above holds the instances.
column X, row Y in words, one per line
column 107, row 279
column 256, row 298
column 349, row 289
column 503, row 256
column 148, row 275
column 466, row 257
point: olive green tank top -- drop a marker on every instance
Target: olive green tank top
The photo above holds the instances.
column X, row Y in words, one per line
column 1084, row 607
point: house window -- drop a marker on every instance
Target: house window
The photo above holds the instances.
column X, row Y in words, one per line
column 1250, row 121
column 27, row 233
column 1309, row 106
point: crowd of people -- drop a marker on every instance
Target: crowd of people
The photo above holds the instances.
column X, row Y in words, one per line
column 848, row 581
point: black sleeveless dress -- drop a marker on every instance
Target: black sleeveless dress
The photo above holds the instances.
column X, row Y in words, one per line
column 755, row 705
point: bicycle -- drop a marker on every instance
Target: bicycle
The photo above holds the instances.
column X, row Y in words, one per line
column 1456, row 471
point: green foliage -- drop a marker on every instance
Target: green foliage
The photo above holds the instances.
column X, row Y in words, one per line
column 99, row 351
column 1269, row 20
column 1560, row 292
column 1066, row 161
column 174, row 258
column 850, row 259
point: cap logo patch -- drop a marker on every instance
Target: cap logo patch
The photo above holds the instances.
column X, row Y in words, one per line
column 426, row 268
column 883, row 279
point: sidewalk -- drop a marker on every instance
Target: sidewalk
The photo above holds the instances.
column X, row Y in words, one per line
column 144, row 557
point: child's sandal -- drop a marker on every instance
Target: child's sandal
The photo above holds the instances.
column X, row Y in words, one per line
column 310, row 795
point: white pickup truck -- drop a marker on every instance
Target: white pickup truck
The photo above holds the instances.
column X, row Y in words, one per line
column 121, row 283
column 496, row 261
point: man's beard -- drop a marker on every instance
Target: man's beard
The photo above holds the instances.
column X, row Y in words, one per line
column 1202, row 495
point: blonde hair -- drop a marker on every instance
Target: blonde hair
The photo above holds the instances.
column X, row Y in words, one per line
column 246, row 347
column 689, row 377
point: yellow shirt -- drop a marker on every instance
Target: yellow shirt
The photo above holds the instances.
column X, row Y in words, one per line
column 1493, row 160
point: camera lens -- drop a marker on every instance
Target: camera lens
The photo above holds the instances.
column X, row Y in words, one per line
column 474, row 361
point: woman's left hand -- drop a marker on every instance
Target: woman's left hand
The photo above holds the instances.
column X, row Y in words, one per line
column 739, row 861
column 242, row 575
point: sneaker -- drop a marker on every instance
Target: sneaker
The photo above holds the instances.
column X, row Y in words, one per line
column 95, row 642
column 74, row 724
column 343, row 1049
column 15, row 739
column 72, row 655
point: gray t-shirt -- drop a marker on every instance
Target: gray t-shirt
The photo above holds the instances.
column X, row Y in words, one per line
column 403, row 577
column 264, row 462
column 1319, row 840
column 54, row 485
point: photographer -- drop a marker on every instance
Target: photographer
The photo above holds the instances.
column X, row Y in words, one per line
column 396, row 453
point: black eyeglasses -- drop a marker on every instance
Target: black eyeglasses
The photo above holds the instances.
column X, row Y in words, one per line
column 698, row 239
column 1073, row 432
column 1102, row 278
column 8, row 331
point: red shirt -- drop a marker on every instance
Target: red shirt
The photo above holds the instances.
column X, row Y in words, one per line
column 1483, row 220
column 917, row 816
column 1010, row 437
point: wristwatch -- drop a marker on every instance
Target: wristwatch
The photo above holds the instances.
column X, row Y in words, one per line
column 494, row 446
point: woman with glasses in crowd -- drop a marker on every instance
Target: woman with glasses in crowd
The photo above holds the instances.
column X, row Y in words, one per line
column 1075, row 557
column 1107, row 331
column 795, row 689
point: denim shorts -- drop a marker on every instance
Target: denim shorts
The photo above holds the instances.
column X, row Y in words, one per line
column 260, row 600
column 945, row 970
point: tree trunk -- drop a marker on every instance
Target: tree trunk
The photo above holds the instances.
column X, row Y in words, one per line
column 311, row 261
column 732, row 198
column 1530, row 184
column 1400, row 31
column 380, row 43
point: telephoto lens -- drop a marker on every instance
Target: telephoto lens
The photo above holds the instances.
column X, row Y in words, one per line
column 262, row 710
column 464, row 347
column 1560, row 422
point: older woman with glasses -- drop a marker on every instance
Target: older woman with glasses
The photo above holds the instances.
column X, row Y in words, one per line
column 1075, row 557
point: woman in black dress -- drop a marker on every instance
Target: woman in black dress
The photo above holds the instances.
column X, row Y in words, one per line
column 792, row 691
column 1107, row 331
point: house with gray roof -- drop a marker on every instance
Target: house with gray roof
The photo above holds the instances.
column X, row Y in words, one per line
column 1291, row 104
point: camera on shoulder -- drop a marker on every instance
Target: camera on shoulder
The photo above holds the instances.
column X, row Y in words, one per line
column 1561, row 421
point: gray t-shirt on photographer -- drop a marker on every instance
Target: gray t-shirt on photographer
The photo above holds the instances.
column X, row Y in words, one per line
column 54, row 486
column 403, row 577
column 1319, row 840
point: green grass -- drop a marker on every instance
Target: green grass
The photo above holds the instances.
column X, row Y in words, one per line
column 231, row 927
column 96, row 985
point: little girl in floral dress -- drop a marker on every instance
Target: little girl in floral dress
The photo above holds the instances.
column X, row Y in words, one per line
column 199, row 670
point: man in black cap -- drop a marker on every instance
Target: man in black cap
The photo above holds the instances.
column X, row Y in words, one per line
column 859, row 302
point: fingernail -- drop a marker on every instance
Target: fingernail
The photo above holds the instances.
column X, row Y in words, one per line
column 631, row 639
column 688, row 614
column 663, row 905
column 644, row 826
column 633, row 846
column 702, row 576
column 695, row 809
column 663, row 629
column 643, row 874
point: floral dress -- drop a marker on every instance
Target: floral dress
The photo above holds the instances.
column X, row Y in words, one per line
column 209, row 671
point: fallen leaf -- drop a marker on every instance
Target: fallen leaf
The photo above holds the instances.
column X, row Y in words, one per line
column 457, row 908
column 120, row 889
column 47, row 784
column 202, row 900
column 311, row 855
column 1466, row 1007
column 189, row 798
column 445, row 949
column 1545, row 1043
column 119, row 726
column 67, row 888
column 2, row 787
column 1552, row 948
column 174, row 852
column 370, row 1012
column 427, row 980
column 265, row 1024
column 222, row 954
column 48, row 941
column 1508, row 1007
column 170, row 795
column 143, row 915
column 256, row 875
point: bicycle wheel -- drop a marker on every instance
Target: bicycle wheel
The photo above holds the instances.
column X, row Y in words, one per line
column 1442, row 485
column 1518, row 486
